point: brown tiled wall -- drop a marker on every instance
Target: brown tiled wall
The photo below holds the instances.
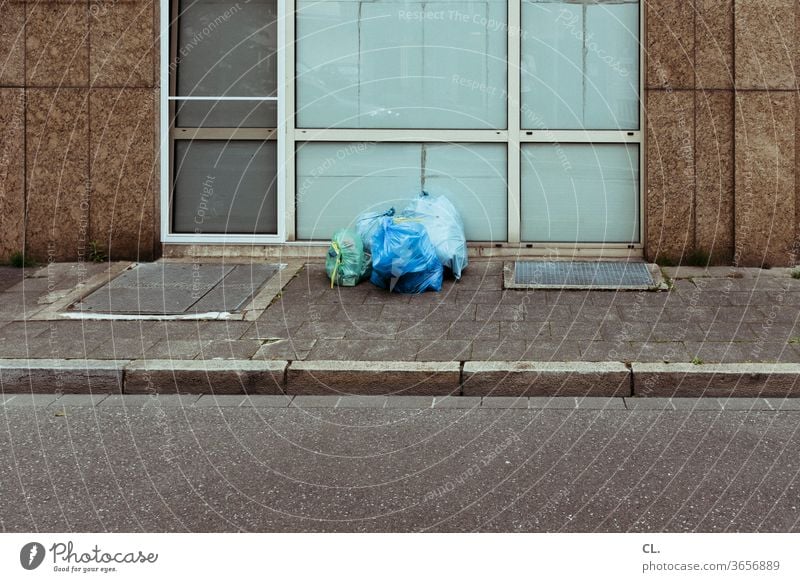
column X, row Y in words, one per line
column 78, row 106
column 721, row 141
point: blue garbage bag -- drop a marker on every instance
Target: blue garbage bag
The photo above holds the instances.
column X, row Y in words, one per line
column 445, row 229
column 366, row 225
column 403, row 257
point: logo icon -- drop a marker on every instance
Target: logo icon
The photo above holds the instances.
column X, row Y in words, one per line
column 31, row 555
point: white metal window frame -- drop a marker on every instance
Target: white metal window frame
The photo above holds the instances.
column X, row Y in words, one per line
column 289, row 136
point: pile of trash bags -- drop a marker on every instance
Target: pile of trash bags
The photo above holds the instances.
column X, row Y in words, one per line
column 404, row 253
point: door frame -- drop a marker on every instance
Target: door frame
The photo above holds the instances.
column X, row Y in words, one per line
column 167, row 53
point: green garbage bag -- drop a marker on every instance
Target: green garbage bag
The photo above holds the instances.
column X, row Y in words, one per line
column 347, row 264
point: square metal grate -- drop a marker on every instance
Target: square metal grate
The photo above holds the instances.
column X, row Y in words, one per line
column 582, row 275
column 179, row 288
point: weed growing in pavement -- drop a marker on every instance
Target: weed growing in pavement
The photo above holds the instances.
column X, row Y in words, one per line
column 96, row 253
column 795, row 274
column 794, row 340
column 696, row 361
column 667, row 279
column 698, row 258
column 663, row 261
column 19, row 260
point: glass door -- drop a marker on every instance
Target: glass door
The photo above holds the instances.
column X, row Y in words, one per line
column 580, row 122
column 223, row 121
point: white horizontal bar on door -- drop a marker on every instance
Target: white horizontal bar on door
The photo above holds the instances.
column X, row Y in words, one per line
column 203, row 98
column 578, row 136
column 402, row 135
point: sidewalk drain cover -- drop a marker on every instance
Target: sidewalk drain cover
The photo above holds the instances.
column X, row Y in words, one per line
column 582, row 275
column 178, row 288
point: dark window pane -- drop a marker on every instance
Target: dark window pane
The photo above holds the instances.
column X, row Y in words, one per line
column 224, row 187
column 227, row 48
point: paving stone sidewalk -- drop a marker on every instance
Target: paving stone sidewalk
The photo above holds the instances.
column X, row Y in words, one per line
column 718, row 315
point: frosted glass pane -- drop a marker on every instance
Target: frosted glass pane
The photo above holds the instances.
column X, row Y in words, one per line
column 226, row 114
column 226, row 47
column 225, row 187
column 338, row 181
column 580, row 64
column 612, row 66
column 390, row 64
column 580, row 193
column 551, row 74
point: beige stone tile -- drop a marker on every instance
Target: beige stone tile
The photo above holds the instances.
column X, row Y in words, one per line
column 670, row 173
column 57, row 164
column 57, row 44
column 797, row 43
column 12, row 171
column 670, row 44
column 122, row 40
column 155, row 184
column 714, row 209
column 765, row 185
column 765, row 50
column 12, row 43
column 122, row 171
column 714, row 44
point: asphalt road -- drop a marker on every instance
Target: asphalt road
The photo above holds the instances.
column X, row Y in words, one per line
column 191, row 468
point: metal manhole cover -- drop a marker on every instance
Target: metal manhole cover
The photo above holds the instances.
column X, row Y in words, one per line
column 582, row 275
column 179, row 288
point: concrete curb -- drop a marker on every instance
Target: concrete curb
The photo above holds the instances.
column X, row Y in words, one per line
column 326, row 377
column 205, row 376
column 376, row 378
column 716, row 380
column 67, row 376
column 546, row 379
